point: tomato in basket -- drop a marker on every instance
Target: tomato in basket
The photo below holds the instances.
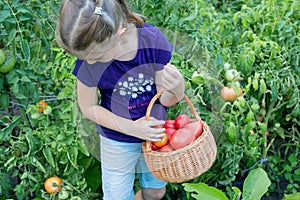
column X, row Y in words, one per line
column 154, row 147
column 169, row 131
column 169, row 123
column 196, row 128
column 166, row 148
column 181, row 120
column 181, row 138
column 163, row 141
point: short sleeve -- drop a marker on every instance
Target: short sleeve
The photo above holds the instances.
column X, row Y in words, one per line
column 86, row 73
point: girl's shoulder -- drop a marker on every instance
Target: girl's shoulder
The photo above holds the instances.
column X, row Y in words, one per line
column 151, row 36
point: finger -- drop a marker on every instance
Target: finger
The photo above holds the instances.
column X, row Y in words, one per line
column 159, row 130
column 171, row 74
column 156, row 137
column 157, row 122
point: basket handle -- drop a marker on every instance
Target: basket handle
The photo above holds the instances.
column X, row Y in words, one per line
column 157, row 95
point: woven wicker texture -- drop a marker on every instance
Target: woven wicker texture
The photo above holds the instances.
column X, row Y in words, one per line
column 185, row 163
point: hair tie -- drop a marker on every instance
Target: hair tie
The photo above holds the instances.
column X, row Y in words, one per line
column 98, row 11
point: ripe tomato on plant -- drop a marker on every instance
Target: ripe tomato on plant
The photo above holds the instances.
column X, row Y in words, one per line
column 53, row 184
column 41, row 105
column 229, row 94
column 181, row 120
column 163, row 141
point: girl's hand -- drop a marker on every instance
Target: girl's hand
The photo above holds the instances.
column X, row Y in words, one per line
column 145, row 130
column 170, row 80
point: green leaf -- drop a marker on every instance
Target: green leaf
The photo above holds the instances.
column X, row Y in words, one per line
column 4, row 134
column 39, row 165
column 4, row 14
column 250, row 116
column 22, row 9
column 82, row 148
column 256, row 184
column 204, row 191
column 292, row 196
column 231, row 133
column 237, row 192
column 262, row 87
column 20, row 191
column 72, row 156
column 5, row 185
column 93, row 177
column 12, row 35
column 48, row 155
column 25, row 50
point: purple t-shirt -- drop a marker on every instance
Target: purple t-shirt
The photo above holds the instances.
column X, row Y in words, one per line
column 126, row 87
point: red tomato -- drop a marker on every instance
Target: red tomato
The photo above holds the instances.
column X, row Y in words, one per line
column 267, row 133
column 181, row 120
column 228, row 94
column 166, row 148
column 196, row 128
column 41, row 105
column 169, row 131
column 169, row 123
column 181, row 138
column 163, row 141
column 53, row 184
column 154, row 147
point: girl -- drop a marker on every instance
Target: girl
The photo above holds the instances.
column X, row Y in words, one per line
column 126, row 60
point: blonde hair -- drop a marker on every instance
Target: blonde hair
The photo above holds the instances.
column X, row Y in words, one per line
column 79, row 27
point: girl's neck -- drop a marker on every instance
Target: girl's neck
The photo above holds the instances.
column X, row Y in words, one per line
column 128, row 46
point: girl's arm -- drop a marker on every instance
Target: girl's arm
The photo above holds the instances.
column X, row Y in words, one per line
column 141, row 128
column 172, row 82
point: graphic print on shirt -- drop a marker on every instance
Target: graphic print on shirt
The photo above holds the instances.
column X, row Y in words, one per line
column 136, row 88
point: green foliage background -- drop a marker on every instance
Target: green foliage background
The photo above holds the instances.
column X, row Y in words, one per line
column 259, row 39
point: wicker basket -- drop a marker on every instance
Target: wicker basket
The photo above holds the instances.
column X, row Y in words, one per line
column 185, row 163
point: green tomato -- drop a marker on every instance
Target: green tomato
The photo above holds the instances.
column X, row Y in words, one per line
column 63, row 194
column 226, row 66
column 2, row 56
column 231, row 74
column 47, row 110
column 8, row 64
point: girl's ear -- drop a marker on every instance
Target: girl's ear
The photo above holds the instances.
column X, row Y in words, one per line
column 91, row 62
column 121, row 32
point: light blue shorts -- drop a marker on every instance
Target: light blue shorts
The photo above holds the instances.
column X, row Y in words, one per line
column 119, row 163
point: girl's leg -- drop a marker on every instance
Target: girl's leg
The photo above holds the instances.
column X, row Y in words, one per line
column 150, row 194
column 152, row 187
column 118, row 161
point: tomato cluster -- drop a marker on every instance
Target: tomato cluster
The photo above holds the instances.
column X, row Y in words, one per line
column 179, row 133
